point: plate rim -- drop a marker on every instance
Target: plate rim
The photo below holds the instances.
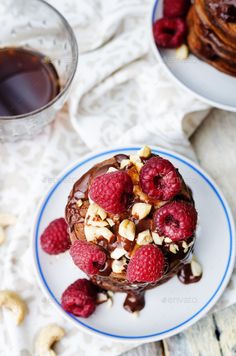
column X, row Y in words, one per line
column 142, row 338
column 158, row 56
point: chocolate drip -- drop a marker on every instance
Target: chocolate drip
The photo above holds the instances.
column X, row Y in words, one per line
column 185, row 275
column 134, row 302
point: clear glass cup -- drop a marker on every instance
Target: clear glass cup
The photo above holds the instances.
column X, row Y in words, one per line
column 36, row 25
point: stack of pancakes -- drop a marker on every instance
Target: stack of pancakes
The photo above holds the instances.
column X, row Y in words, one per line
column 212, row 33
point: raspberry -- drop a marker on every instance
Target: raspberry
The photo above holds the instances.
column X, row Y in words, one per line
column 79, row 298
column 177, row 220
column 147, row 265
column 169, row 33
column 112, row 191
column 159, row 179
column 176, row 8
column 55, row 238
column 89, row 257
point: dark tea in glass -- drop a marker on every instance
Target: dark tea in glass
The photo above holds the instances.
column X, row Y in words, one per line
column 28, row 81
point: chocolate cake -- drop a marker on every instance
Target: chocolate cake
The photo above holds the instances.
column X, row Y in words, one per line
column 132, row 223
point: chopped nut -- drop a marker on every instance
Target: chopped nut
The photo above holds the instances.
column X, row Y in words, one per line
column 144, row 152
column 141, row 210
column 167, row 240
column 157, row 239
column 118, row 265
column 196, row 268
column 112, row 169
column 182, row 52
column 109, row 303
column 2, row 235
column 174, row 248
column 79, row 203
column 185, row 246
column 142, row 196
column 159, row 204
column 96, row 216
column 7, row 220
column 127, row 229
column 97, row 223
column 92, row 233
column 110, row 222
column 105, row 232
column 135, row 159
column 116, row 218
column 94, row 210
column 124, row 163
column 144, row 238
column 101, row 298
column 134, row 250
column 110, row 293
column 118, row 253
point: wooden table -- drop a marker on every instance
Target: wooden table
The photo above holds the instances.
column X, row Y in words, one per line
column 214, row 335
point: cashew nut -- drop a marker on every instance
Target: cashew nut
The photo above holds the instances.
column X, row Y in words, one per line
column 2, row 235
column 13, row 301
column 46, row 339
column 7, row 220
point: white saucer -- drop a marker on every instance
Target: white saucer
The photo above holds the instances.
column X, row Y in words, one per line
column 207, row 83
column 171, row 307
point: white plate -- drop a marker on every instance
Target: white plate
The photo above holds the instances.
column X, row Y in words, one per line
column 203, row 80
column 171, row 307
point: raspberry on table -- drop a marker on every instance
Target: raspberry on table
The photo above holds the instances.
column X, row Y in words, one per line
column 169, row 33
column 112, row 191
column 55, row 238
column 90, row 258
column 79, row 298
column 147, row 265
column 176, row 8
column 159, row 179
column 176, row 220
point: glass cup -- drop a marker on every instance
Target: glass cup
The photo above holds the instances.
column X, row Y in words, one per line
column 37, row 26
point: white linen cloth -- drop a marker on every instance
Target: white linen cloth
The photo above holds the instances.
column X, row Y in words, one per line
column 121, row 95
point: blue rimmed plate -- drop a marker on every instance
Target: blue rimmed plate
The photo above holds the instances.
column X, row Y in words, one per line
column 171, row 307
column 198, row 77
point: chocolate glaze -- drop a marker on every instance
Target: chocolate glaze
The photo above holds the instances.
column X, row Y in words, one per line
column 106, row 279
column 186, row 276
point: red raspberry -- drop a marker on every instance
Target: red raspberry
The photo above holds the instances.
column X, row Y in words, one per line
column 55, row 238
column 159, row 179
column 176, row 8
column 177, row 220
column 112, row 191
column 169, row 33
column 147, row 265
column 89, row 257
column 79, row 298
